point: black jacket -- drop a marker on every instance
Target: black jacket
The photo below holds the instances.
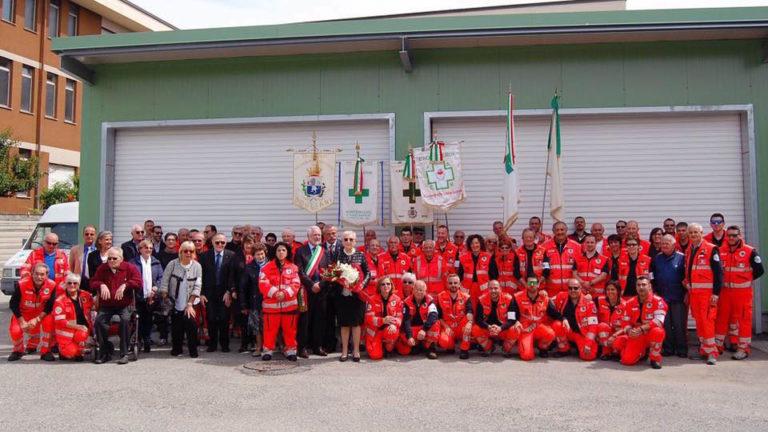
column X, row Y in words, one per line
column 130, row 250
column 248, row 287
column 211, row 290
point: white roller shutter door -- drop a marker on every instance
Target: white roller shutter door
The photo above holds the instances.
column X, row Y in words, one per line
column 230, row 175
column 644, row 167
column 60, row 174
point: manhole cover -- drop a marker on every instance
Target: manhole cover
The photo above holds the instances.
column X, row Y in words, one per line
column 276, row 367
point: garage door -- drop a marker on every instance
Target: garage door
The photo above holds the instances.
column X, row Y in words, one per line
column 228, row 175
column 644, row 167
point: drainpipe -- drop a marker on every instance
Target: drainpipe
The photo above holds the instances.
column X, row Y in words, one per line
column 40, row 88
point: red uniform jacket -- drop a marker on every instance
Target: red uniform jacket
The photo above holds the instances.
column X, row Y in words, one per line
column 377, row 309
column 394, row 268
column 453, row 312
column 614, row 318
column 60, row 268
column 272, row 280
column 432, row 272
column 450, row 254
column 652, row 312
column 64, row 311
column 585, row 311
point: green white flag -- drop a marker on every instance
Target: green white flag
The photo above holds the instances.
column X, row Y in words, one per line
column 554, row 168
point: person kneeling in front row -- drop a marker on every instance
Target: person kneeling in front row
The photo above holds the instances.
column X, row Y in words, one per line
column 420, row 325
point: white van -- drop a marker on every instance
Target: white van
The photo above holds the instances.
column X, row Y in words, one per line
column 60, row 219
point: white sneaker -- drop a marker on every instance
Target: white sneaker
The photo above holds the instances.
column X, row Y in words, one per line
column 711, row 360
column 740, row 355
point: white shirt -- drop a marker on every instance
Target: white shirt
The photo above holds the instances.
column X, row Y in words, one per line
column 146, row 275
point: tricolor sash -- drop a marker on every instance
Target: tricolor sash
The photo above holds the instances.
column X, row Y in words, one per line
column 311, row 267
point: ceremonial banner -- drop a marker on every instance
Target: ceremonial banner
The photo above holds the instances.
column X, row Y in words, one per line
column 359, row 193
column 554, row 169
column 314, row 179
column 511, row 193
column 407, row 206
column 438, row 169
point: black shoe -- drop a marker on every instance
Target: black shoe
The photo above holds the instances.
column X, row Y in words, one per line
column 450, row 351
column 432, row 355
column 655, row 364
column 30, row 351
column 543, row 353
column 225, row 349
column 15, row 356
column 100, row 361
column 484, row 353
column 356, row 359
column 55, row 349
column 304, row 353
column 78, row 359
column 48, row 357
column 210, row 349
column 682, row 354
column 320, row 352
column 266, row 357
column 146, row 347
column 464, row 354
column 175, row 353
column 343, row 358
column 667, row 353
column 242, row 349
column 193, row 354
column 560, row 354
column 291, row 357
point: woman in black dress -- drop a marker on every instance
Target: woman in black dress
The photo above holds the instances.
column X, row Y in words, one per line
column 350, row 308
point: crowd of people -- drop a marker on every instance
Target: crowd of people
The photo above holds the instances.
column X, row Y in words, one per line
column 618, row 297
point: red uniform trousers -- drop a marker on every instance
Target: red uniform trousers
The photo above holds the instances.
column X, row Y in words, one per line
column 604, row 332
column 704, row 314
column 507, row 337
column 274, row 322
column 376, row 341
column 40, row 335
column 542, row 334
column 432, row 334
column 587, row 347
column 734, row 316
column 632, row 349
column 454, row 332
column 71, row 342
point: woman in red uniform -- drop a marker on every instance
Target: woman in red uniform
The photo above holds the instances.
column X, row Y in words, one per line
column 476, row 268
column 279, row 284
column 610, row 312
column 383, row 318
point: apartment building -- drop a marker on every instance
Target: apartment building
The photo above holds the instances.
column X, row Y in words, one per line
column 40, row 102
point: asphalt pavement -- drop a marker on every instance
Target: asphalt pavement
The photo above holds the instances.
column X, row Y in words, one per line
column 221, row 392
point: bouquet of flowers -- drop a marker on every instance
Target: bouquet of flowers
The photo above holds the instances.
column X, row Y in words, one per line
column 346, row 275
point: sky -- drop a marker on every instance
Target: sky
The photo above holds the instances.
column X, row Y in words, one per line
column 187, row 14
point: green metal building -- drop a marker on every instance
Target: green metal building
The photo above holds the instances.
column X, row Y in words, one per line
column 665, row 113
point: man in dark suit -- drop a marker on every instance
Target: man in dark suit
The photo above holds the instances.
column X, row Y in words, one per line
column 312, row 323
column 131, row 247
column 217, row 291
column 333, row 248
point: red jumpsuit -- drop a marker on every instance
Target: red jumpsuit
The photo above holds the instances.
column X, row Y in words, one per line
column 530, row 314
column 394, row 268
column 652, row 312
column 379, row 336
column 504, row 319
column 701, row 279
column 610, row 321
column 418, row 317
column 559, row 264
column 453, row 313
column 506, row 265
column 590, row 268
column 280, row 314
column 28, row 304
column 734, row 308
column 71, row 342
column 475, row 289
column 432, row 272
column 60, row 268
column 584, row 336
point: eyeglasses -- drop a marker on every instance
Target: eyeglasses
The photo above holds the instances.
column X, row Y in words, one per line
column 533, row 283
column 237, row 233
column 491, row 241
column 409, row 282
column 51, row 243
column 112, row 259
column 631, row 244
column 620, row 226
column 140, row 232
column 573, row 288
column 219, row 242
column 89, row 234
column 716, row 222
column 187, row 251
column 349, row 239
column 197, row 241
column 72, row 283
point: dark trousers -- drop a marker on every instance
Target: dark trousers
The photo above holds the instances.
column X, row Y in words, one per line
column 182, row 325
column 145, row 320
column 330, row 340
column 102, row 327
column 675, row 325
column 218, row 331
column 161, row 321
column 317, row 320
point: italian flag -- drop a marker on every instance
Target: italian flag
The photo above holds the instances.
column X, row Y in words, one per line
column 554, row 169
column 511, row 195
column 409, row 168
column 358, row 184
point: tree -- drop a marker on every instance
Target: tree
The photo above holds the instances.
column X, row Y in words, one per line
column 17, row 174
column 61, row 192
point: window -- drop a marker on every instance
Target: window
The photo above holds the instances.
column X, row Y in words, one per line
column 53, row 19
column 69, row 101
column 50, row 96
column 9, row 10
column 27, row 78
column 30, row 15
column 74, row 11
column 5, row 82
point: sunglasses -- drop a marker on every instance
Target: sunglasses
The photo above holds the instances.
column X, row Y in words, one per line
column 72, row 283
column 733, row 235
column 51, row 243
column 573, row 288
column 349, row 239
column 409, row 282
column 631, row 244
column 220, row 242
column 112, row 259
column 620, row 226
column 237, row 234
column 140, row 232
column 716, row 222
column 187, row 251
column 532, row 283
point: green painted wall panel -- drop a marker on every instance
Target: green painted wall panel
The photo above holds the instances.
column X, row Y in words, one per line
column 601, row 75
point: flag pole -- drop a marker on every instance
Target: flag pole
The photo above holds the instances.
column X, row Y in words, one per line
column 546, row 179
